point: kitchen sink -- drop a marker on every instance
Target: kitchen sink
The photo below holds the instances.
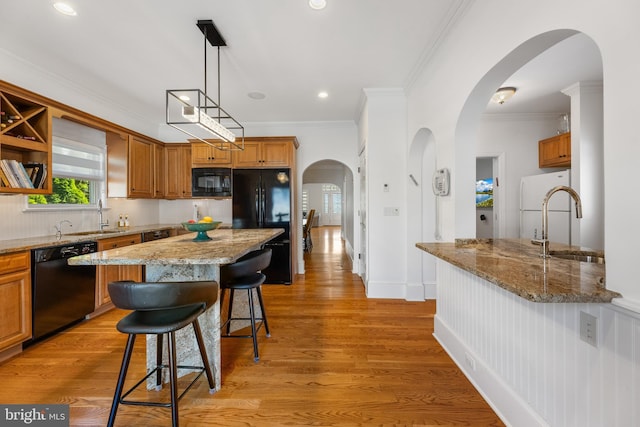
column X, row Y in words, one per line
column 86, row 233
column 582, row 256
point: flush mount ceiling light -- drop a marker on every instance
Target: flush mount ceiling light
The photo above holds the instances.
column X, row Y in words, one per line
column 323, row 95
column 503, row 94
column 194, row 113
column 317, row 4
column 64, row 8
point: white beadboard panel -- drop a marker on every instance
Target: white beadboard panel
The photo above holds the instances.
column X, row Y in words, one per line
column 535, row 350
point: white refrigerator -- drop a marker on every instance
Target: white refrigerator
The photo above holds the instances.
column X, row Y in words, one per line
column 533, row 189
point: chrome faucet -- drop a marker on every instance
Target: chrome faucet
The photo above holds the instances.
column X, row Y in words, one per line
column 59, row 228
column 101, row 223
column 544, row 241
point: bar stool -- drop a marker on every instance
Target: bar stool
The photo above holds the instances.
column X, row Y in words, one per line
column 245, row 274
column 161, row 308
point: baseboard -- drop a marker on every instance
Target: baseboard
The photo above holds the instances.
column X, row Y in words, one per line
column 10, row 352
column 406, row 291
column 506, row 403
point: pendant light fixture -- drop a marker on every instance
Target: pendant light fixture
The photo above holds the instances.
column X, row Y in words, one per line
column 194, row 113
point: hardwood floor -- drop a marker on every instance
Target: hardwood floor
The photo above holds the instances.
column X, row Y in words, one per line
column 335, row 358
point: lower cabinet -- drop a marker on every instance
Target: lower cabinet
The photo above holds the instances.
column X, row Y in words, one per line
column 15, row 299
column 111, row 273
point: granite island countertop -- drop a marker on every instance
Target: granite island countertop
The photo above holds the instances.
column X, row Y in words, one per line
column 225, row 246
column 515, row 265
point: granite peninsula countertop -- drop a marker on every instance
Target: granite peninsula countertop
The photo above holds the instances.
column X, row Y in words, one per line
column 17, row 245
column 225, row 246
column 515, row 265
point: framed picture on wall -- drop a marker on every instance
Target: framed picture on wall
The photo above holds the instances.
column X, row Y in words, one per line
column 484, row 193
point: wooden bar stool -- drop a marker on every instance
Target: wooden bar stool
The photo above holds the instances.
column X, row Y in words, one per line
column 245, row 274
column 161, row 308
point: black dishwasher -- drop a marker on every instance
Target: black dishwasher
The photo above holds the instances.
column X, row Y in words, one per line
column 62, row 294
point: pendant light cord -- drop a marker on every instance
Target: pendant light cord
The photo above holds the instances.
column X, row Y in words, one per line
column 205, row 72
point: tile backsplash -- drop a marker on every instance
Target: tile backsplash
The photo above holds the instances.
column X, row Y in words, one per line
column 18, row 223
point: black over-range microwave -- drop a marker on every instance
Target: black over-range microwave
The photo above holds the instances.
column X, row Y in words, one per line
column 211, row 182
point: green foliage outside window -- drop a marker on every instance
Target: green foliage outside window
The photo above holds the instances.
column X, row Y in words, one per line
column 68, row 191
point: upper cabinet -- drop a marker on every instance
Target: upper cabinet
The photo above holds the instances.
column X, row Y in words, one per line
column 178, row 171
column 141, row 168
column 267, row 152
column 555, row 152
column 25, row 141
column 131, row 166
column 204, row 155
column 159, row 176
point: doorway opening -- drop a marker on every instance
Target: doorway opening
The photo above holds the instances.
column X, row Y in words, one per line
column 327, row 187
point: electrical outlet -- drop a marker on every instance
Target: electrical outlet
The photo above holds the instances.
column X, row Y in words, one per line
column 589, row 328
column 470, row 361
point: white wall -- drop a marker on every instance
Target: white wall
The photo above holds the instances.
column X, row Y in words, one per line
column 517, row 137
column 453, row 88
column 386, row 191
column 448, row 98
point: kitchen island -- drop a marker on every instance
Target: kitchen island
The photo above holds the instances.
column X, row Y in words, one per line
column 179, row 258
column 529, row 331
column 515, row 265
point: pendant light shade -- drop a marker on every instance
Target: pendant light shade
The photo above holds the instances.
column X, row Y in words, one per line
column 194, row 113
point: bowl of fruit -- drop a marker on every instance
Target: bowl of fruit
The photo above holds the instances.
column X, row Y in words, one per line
column 201, row 227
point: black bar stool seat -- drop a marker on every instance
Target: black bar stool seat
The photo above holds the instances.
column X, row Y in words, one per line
column 161, row 308
column 245, row 274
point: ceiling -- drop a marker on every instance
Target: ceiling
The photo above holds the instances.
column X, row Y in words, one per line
column 127, row 53
column 539, row 82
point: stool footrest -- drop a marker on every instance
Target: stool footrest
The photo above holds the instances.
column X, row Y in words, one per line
column 199, row 369
column 241, row 318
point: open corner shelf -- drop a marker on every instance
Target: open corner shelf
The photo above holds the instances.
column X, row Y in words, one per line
column 25, row 135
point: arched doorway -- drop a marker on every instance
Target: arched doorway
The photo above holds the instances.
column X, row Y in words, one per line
column 474, row 116
column 422, row 216
column 327, row 187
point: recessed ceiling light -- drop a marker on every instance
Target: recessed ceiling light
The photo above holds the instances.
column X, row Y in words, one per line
column 256, row 95
column 64, row 8
column 317, row 4
column 323, row 94
column 184, row 98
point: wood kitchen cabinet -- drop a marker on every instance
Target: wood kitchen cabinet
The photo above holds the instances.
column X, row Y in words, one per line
column 25, row 134
column 140, row 171
column 266, row 152
column 204, row 155
column 131, row 166
column 555, row 152
column 110, row 273
column 159, row 171
column 15, row 299
column 178, row 171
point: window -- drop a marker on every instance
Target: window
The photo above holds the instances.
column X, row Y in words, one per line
column 78, row 168
column 305, row 201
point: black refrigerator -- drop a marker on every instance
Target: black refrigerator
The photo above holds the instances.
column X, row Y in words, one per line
column 262, row 199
